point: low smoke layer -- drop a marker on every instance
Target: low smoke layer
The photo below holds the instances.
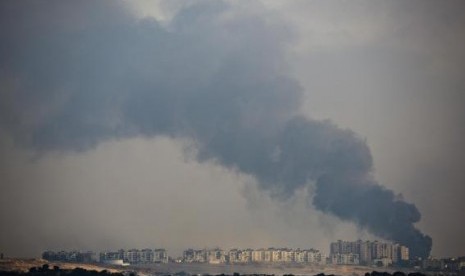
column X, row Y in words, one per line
column 76, row 74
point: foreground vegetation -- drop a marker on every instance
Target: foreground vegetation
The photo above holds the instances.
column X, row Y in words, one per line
column 45, row 270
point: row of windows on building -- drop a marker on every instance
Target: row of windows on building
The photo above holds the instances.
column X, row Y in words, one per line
column 282, row 255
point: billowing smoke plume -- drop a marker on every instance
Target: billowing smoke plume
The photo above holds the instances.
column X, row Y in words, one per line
column 73, row 74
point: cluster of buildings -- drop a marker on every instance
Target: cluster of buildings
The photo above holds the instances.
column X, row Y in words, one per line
column 367, row 253
column 447, row 264
column 120, row 257
column 70, row 256
column 270, row 255
column 134, row 256
column 341, row 253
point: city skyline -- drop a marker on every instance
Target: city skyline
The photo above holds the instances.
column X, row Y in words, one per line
column 352, row 253
column 334, row 247
column 233, row 255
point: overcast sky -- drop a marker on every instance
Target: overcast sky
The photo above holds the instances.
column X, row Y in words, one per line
column 92, row 158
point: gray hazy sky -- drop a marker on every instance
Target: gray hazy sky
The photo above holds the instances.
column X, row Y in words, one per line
column 74, row 174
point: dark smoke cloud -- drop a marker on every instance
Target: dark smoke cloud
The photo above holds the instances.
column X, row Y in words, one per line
column 76, row 74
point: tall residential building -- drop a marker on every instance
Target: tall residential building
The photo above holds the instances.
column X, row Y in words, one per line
column 364, row 250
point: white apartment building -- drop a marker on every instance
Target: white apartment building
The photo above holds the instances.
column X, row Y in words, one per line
column 258, row 256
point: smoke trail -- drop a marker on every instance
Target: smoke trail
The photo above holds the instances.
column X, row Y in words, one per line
column 76, row 74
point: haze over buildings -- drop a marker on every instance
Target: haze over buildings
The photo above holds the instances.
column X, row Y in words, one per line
column 182, row 124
